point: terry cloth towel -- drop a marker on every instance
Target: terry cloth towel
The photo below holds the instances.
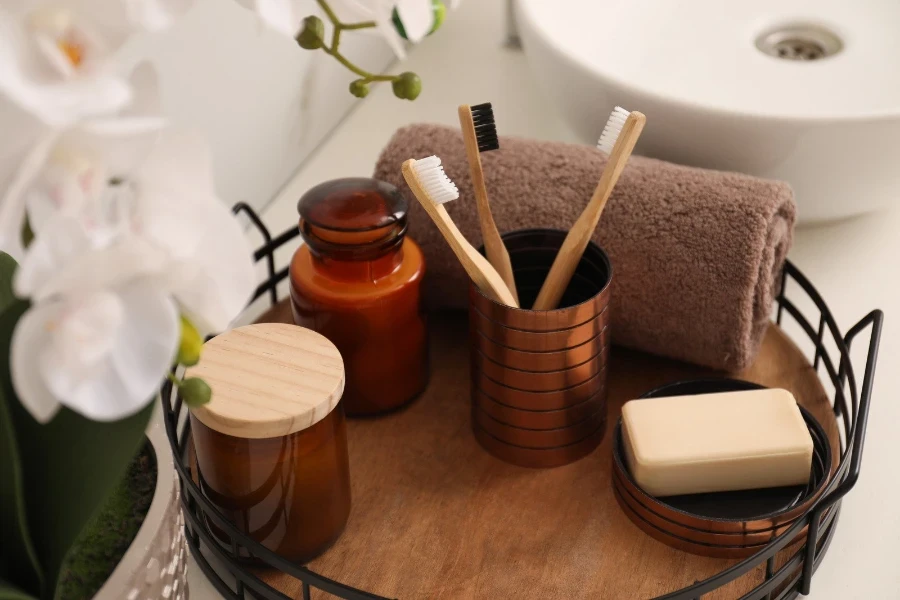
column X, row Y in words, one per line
column 696, row 254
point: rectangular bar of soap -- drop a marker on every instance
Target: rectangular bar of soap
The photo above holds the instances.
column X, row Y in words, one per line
column 716, row 442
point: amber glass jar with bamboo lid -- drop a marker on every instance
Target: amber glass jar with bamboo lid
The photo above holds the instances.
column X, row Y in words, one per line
column 271, row 446
column 357, row 280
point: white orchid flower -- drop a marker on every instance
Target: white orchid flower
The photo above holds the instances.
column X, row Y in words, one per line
column 210, row 268
column 101, row 354
column 109, row 279
column 75, row 255
column 160, row 219
column 66, row 167
column 56, row 58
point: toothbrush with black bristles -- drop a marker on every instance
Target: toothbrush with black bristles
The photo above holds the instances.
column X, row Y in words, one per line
column 480, row 135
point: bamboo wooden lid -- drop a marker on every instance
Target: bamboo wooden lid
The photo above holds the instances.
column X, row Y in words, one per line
column 268, row 380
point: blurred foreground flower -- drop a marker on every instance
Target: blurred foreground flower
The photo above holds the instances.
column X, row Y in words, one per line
column 110, row 272
column 56, row 58
column 64, row 167
column 100, row 354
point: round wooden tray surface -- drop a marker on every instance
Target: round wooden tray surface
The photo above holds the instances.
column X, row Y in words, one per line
column 435, row 516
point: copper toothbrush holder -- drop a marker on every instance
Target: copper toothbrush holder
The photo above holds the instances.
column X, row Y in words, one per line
column 539, row 377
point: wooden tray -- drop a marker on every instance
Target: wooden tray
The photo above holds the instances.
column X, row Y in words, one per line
column 435, row 516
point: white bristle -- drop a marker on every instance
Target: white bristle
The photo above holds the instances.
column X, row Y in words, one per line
column 612, row 130
column 436, row 183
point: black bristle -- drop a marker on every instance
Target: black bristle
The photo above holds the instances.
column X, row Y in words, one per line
column 485, row 127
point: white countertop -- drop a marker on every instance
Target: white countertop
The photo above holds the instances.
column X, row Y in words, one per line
column 853, row 264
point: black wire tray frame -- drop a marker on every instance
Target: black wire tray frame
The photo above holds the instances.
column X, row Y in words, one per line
column 792, row 578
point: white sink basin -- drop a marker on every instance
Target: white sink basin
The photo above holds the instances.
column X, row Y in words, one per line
column 707, row 75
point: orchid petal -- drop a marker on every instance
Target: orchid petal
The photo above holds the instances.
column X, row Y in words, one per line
column 126, row 139
column 385, row 26
column 21, row 131
column 29, row 338
column 64, row 259
column 30, row 72
column 417, row 17
column 12, row 204
column 148, row 339
column 179, row 166
column 279, row 15
column 156, row 15
column 108, row 20
column 215, row 284
column 352, row 11
column 103, row 354
column 84, row 159
column 83, row 337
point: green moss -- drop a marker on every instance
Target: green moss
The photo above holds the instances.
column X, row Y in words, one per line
column 106, row 538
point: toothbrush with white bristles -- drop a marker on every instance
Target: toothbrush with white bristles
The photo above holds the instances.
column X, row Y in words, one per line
column 432, row 188
column 617, row 140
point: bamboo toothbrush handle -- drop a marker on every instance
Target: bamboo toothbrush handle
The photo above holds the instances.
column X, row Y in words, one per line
column 494, row 247
column 576, row 241
column 477, row 267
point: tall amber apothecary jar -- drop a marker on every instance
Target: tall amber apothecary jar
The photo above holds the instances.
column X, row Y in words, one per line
column 357, row 280
column 271, row 446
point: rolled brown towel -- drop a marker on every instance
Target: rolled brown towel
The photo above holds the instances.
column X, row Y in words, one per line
column 696, row 254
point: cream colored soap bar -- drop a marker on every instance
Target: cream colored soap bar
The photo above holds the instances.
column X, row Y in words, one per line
column 716, row 442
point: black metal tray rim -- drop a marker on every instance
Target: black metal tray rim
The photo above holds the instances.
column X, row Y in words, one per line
column 234, row 581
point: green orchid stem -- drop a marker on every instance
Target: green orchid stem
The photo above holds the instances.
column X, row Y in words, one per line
column 363, row 25
column 339, row 27
column 175, row 381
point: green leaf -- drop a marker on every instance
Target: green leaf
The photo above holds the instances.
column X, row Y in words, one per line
column 8, row 266
column 9, row 592
column 27, row 234
column 18, row 561
column 70, row 466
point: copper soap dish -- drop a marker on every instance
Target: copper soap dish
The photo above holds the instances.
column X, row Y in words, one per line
column 726, row 524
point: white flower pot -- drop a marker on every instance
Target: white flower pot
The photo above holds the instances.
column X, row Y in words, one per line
column 155, row 565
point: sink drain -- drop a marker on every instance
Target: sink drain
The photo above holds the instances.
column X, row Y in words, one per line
column 799, row 42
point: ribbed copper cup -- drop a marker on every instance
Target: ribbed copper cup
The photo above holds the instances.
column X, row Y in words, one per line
column 563, row 339
column 540, row 419
column 539, row 377
column 539, row 438
column 540, row 381
column 538, row 457
column 540, row 362
column 527, row 400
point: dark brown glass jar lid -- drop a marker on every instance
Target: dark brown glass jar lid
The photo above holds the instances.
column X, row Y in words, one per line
column 356, row 218
column 268, row 380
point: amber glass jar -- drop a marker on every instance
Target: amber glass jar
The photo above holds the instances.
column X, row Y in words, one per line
column 357, row 280
column 271, row 446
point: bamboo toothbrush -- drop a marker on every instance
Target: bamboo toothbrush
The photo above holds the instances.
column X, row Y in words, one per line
column 480, row 135
column 617, row 140
column 432, row 188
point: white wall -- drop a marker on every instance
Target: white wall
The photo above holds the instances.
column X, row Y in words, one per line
column 262, row 101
